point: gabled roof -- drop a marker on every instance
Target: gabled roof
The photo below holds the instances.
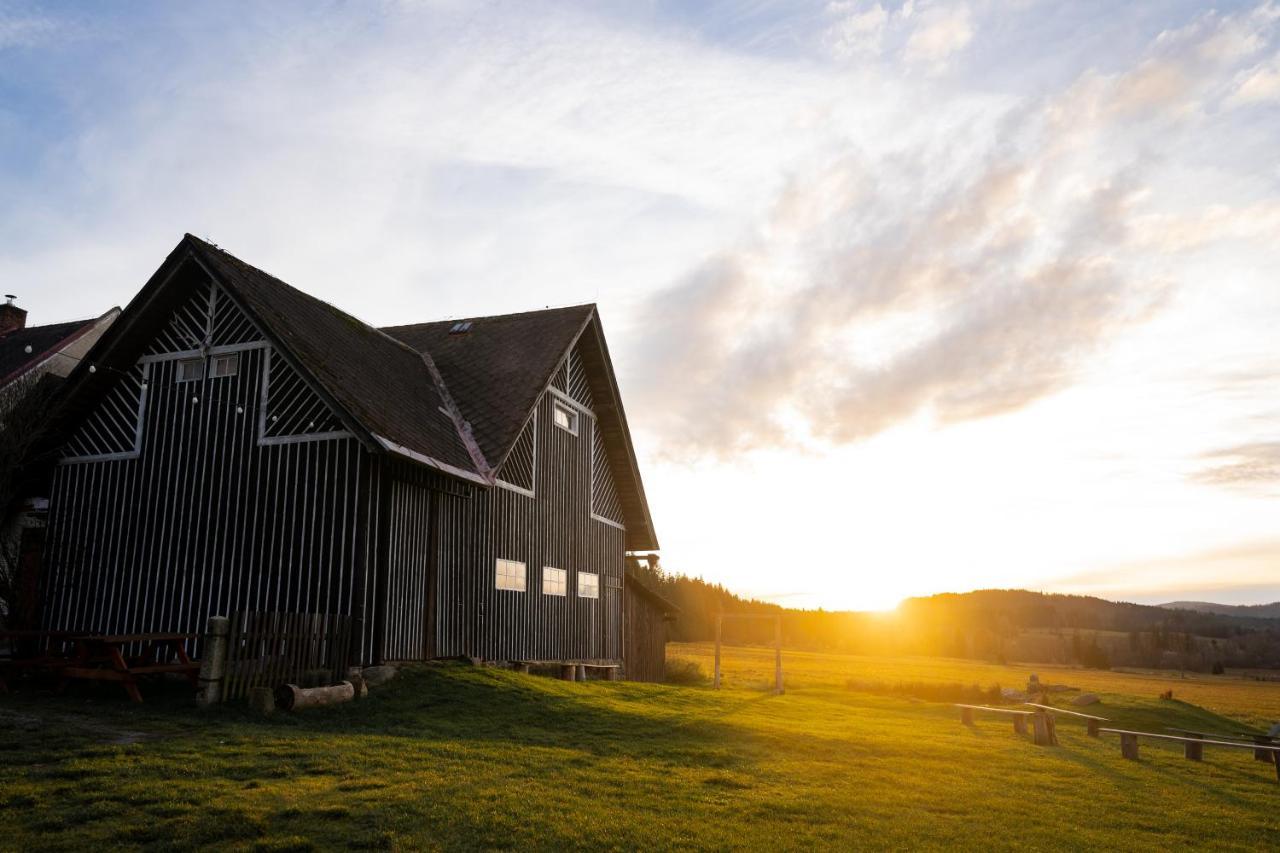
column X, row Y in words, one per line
column 454, row 402
column 499, row 368
column 42, row 341
column 383, row 384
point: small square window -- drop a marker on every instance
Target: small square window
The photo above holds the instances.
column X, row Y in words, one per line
column 566, row 418
column 510, row 575
column 588, row 585
column 190, row 370
column 554, row 581
column 226, row 365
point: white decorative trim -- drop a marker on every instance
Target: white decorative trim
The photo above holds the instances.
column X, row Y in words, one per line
column 512, row 487
column 565, row 398
column 400, row 449
column 224, row 349
column 608, row 521
column 268, row 441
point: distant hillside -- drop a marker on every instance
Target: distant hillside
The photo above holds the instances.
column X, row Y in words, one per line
column 993, row 624
column 1249, row 611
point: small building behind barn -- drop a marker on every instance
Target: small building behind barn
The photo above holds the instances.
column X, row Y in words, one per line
column 464, row 487
column 645, row 616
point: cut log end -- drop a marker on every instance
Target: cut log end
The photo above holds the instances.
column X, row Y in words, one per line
column 291, row 697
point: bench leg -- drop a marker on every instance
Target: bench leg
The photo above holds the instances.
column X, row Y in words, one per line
column 1019, row 725
column 1129, row 747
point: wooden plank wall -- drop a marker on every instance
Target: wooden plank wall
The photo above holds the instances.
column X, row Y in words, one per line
column 206, row 519
column 644, row 639
column 552, row 528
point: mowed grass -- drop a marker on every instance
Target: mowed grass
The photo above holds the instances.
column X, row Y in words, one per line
column 451, row 756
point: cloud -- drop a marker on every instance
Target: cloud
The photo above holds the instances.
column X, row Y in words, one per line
column 858, row 29
column 941, row 31
column 973, row 266
column 1251, row 466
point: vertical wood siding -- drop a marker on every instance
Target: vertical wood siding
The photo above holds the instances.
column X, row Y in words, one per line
column 644, row 638
column 554, row 528
column 206, row 519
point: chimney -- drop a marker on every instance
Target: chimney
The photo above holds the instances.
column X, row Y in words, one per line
column 12, row 317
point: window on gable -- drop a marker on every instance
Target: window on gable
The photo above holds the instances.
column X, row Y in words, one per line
column 566, row 418
column 510, row 575
column 226, row 365
column 554, row 581
column 190, row 370
column 588, row 585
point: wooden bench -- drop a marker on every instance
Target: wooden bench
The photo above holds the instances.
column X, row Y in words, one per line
column 1042, row 723
column 1192, row 747
column 1093, row 724
column 1258, row 739
column 571, row 670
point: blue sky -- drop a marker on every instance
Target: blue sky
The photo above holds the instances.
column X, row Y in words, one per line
column 903, row 297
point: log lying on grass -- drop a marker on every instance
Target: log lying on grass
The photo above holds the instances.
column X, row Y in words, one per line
column 291, row 697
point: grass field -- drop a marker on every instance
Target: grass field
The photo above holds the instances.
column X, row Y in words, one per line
column 451, row 756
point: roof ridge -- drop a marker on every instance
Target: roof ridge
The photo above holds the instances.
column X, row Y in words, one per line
column 477, row 318
column 211, row 247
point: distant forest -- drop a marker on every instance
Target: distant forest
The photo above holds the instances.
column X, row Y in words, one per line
column 997, row 625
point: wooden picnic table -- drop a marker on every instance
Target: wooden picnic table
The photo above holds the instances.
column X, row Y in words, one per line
column 101, row 657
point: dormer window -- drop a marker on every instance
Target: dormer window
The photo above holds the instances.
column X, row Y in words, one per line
column 566, row 418
column 190, row 370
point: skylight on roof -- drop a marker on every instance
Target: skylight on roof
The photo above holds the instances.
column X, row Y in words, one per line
column 461, row 328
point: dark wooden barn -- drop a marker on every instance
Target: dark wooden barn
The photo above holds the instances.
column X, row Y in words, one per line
column 231, row 444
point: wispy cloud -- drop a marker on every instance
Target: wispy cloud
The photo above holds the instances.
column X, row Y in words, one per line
column 961, row 273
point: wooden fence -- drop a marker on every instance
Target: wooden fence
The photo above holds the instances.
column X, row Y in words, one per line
column 270, row 649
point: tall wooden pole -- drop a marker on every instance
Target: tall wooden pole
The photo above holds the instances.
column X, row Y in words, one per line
column 719, row 622
column 777, row 655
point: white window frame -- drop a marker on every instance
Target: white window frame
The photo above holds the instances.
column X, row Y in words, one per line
column 506, row 576
column 593, row 590
column 555, row 581
column 218, row 361
column 571, row 415
column 180, row 373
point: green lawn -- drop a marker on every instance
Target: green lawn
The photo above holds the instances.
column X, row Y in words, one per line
column 450, row 756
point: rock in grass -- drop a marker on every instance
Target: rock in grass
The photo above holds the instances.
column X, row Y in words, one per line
column 375, row 675
column 1013, row 695
column 1085, row 699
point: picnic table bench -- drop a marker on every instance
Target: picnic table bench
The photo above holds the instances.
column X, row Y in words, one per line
column 1193, row 747
column 101, row 657
column 1093, row 719
column 1019, row 717
column 1256, row 738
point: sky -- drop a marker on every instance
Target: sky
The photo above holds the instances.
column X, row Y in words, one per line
column 903, row 298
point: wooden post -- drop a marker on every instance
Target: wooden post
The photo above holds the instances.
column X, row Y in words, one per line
column 1045, row 735
column 213, row 664
column 1093, row 728
column 777, row 656
column 568, row 671
column 966, row 716
column 1263, row 755
column 1192, row 749
column 719, row 623
column 522, row 668
column 1019, row 724
column 1129, row 746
